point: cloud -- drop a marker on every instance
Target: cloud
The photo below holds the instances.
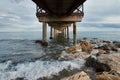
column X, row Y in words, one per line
column 100, row 10
column 20, row 15
column 16, row 1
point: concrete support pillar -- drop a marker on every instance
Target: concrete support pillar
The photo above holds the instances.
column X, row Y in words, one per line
column 68, row 32
column 44, row 33
column 74, row 33
column 55, row 34
column 65, row 32
column 51, row 31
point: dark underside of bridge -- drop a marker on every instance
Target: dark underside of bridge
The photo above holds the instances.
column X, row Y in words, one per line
column 59, row 7
column 59, row 15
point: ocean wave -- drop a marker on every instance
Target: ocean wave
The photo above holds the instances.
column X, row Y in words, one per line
column 37, row 69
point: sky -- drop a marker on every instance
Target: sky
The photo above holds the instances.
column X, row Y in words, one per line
column 19, row 15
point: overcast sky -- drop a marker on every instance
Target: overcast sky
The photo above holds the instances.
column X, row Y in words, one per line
column 100, row 15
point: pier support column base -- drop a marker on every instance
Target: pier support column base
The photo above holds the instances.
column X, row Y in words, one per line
column 51, row 37
column 43, row 43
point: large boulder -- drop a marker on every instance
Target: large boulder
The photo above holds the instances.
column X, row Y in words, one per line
column 108, row 47
column 107, row 76
column 104, row 62
column 79, row 76
column 117, row 44
column 98, row 66
column 73, row 49
column 86, row 46
column 112, row 60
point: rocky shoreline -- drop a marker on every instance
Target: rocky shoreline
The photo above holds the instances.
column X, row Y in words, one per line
column 102, row 61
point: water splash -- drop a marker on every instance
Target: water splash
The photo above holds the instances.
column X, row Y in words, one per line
column 37, row 69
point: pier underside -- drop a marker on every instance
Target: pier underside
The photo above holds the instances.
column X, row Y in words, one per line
column 59, row 15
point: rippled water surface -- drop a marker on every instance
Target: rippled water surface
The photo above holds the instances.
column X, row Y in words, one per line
column 20, row 56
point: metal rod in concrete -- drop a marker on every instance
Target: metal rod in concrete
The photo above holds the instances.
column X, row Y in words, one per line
column 74, row 33
column 44, row 33
column 51, row 31
column 68, row 33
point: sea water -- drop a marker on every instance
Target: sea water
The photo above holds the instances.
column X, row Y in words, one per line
column 20, row 56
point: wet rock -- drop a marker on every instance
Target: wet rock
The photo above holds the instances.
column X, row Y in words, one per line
column 104, row 41
column 51, row 37
column 117, row 44
column 104, row 62
column 42, row 43
column 73, row 49
column 94, row 51
column 85, row 38
column 90, row 71
column 86, row 46
column 79, row 76
column 81, row 56
column 101, row 51
column 18, row 78
column 104, row 47
column 107, row 76
column 38, row 41
column 62, row 74
column 108, row 48
column 112, row 47
column 98, row 66
column 112, row 60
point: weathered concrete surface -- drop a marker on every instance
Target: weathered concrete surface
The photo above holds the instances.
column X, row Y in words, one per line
column 72, row 18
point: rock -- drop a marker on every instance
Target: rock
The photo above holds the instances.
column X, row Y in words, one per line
column 42, row 43
column 18, row 78
column 85, row 38
column 107, row 76
column 104, row 41
column 105, row 62
column 108, row 47
column 98, row 66
column 73, row 49
column 81, row 56
column 101, row 51
column 74, row 56
column 117, row 44
column 79, row 76
column 104, row 47
column 38, row 41
column 87, row 47
column 112, row 60
column 112, row 47
column 94, row 51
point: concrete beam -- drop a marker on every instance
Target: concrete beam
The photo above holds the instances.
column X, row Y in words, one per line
column 72, row 18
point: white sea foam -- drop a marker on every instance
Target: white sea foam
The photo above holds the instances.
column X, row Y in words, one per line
column 35, row 70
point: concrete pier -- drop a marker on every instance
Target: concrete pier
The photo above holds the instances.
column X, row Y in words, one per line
column 65, row 33
column 44, row 33
column 68, row 33
column 59, row 18
column 55, row 34
column 51, row 33
column 74, row 33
